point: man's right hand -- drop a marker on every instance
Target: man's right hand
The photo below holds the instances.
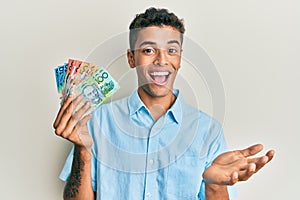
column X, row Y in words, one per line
column 71, row 124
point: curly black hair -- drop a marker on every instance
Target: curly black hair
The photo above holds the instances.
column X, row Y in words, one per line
column 154, row 17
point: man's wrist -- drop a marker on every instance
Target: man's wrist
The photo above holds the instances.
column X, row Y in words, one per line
column 216, row 192
column 84, row 153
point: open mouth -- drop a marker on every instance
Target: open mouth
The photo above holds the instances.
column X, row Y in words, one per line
column 160, row 77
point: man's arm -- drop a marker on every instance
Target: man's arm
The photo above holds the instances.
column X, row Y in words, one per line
column 79, row 184
column 71, row 124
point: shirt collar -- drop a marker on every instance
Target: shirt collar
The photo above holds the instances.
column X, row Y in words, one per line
column 135, row 103
column 175, row 112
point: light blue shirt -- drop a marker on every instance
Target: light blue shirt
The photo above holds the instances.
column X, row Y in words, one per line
column 136, row 157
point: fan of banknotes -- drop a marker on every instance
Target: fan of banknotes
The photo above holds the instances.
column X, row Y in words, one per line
column 77, row 77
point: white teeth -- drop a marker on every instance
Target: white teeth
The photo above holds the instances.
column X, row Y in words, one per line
column 159, row 73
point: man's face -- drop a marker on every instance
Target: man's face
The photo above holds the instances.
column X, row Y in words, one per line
column 157, row 57
column 91, row 93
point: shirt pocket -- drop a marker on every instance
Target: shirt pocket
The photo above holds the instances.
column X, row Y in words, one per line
column 185, row 177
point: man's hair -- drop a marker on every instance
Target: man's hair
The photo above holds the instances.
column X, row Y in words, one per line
column 154, row 17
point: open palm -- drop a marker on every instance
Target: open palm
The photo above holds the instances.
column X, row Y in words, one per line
column 233, row 166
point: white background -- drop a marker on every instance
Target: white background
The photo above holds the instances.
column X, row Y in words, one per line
column 254, row 44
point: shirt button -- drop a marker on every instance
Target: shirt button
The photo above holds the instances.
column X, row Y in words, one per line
column 149, row 194
column 151, row 161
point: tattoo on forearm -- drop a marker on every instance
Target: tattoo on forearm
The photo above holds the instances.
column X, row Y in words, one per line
column 71, row 188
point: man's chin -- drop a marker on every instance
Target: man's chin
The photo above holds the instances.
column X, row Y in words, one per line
column 157, row 91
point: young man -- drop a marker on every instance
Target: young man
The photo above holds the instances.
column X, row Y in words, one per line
column 150, row 145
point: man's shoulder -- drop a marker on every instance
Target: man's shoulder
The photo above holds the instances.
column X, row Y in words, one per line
column 193, row 112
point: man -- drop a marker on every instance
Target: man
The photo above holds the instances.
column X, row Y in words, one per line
column 150, row 145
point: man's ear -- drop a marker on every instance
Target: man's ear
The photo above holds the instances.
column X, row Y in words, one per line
column 130, row 58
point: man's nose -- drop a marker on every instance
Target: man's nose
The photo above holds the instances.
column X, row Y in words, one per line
column 161, row 58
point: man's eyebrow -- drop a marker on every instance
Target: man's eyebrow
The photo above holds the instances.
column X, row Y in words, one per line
column 153, row 43
column 174, row 41
column 146, row 43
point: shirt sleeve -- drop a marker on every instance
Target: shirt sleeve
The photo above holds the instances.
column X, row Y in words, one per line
column 218, row 146
column 66, row 171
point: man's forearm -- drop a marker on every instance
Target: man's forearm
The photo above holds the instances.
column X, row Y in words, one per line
column 216, row 192
column 79, row 185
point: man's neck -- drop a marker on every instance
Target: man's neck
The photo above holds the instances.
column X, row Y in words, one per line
column 157, row 105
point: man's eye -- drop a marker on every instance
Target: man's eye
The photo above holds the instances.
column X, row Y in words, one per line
column 148, row 50
column 172, row 50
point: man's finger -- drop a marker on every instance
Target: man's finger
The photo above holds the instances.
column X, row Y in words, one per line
column 86, row 118
column 79, row 131
column 82, row 110
column 67, row 114
column 61, row 110
column 70, row 102
column 76, row 102
column 252, row 150
column 75, row 118
column 246, row 174
column 234, row 178
column 270, row 154
column 265, row 159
